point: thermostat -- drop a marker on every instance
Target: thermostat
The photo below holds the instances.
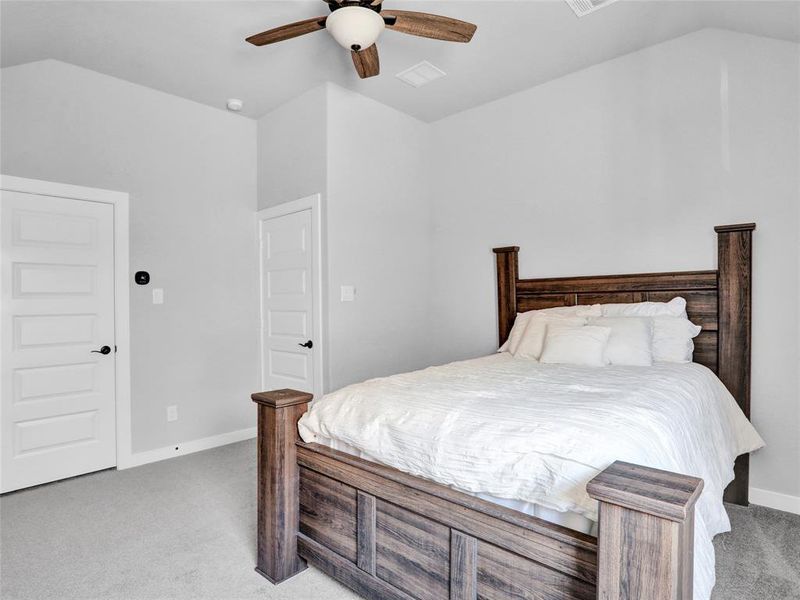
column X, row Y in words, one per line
column 142, row 277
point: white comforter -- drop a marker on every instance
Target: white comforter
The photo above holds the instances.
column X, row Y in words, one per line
column 520, row 430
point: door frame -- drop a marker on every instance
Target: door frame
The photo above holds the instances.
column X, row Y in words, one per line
column 122, row 358
column 314, row 204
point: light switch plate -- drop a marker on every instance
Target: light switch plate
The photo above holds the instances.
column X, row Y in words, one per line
column 348, row 293
column 172, row 413
column 158, row 296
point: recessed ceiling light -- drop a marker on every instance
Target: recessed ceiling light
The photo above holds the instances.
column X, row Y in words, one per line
column 235, row 104
column 420, row 74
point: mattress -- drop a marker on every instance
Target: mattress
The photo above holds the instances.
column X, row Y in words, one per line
column 530, row 436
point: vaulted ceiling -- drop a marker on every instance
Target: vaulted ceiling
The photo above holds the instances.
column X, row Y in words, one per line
column 196, row 49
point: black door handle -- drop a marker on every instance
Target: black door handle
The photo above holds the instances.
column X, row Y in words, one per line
column 309, row 344
column 103, row 350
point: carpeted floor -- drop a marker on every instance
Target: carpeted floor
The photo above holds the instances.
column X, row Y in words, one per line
column 185, row 528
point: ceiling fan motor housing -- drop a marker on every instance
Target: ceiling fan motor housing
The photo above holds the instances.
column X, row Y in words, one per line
column 355, row 27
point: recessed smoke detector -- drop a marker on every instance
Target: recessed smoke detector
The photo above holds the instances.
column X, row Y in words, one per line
column 420, row 74
column 584, row 7
column 234, row 104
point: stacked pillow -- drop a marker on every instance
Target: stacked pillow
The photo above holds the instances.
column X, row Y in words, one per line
column 619, row 334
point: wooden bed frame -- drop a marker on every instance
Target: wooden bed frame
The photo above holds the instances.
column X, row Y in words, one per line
column 392, row 536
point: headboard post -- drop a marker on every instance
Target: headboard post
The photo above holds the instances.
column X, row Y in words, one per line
column 507, row 276
column 734, row 257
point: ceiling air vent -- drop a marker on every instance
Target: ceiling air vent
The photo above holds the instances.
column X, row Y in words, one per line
column 420, row 74
column 584, row 7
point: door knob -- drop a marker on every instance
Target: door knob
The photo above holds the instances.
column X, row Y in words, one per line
column 309, row 344
column 103, row 350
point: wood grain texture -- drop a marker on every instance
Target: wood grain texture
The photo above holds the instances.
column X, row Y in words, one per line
column 366, row 62
column 434, row 542
column 734, row 255
column 705, row 349
column 278, row 483
column 643, row 282
column 346, row 573
column 559, row 548
column 646, row 536
column 643, row 556
column 463, row 566
column 507, row 276
column 429, row 26
column 328, row 513
column 503, row 575
column 412, row 552
column 663, row 494
column 286, row 32
column 281, row 398
column 366, row 532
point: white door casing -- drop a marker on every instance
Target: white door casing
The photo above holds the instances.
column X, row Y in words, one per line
column 290, row 296
column 58, row 304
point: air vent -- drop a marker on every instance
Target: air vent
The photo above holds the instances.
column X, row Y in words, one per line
column 420, row 74
column 584, row 7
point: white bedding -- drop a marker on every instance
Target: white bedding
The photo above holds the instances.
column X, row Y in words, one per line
column 526, row 432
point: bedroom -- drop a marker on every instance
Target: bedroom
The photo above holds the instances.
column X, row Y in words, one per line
column 604, row 144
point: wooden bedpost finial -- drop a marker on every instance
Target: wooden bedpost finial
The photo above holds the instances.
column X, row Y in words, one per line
column 646, row 532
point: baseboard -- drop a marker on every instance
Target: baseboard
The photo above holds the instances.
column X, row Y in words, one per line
column 775, row 500
column 183, row 448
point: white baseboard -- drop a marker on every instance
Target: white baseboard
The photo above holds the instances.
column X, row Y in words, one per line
column 775, row 500
column 183, row 448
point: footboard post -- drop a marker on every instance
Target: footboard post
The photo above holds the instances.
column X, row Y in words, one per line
column 646, row 533
column 278, row 482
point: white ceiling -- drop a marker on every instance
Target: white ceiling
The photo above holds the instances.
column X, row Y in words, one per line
column 196, row 49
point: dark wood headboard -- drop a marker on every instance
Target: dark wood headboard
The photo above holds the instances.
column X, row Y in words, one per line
column 719, row 301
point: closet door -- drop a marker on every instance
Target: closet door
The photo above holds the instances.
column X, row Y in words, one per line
column 287, row 302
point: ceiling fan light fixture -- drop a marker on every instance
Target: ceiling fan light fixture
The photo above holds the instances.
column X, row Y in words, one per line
column 355, row 27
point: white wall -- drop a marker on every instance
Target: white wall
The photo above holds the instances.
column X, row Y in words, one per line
column 292, row 161
column 379, row 232
column 626, row 167
column 370, row 174
column 191, row 173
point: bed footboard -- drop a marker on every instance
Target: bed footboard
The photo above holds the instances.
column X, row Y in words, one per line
column 389, row 535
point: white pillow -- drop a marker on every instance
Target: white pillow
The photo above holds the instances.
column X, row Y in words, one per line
column 631, row 340
column 674, row 308
column 532, row 341
column 672, row 339
column 518, row 329
column 576, row 345
column 515, row 335
column 579, row 310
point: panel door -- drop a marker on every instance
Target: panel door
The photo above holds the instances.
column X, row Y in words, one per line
column 287, row 302
column 57, row 411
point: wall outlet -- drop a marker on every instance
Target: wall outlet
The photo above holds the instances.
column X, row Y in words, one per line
column 172, row 413
column 158, row 296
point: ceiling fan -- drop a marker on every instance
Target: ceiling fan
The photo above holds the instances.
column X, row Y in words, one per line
column 356, row 25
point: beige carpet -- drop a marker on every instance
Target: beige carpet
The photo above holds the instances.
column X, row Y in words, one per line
column 185, row 529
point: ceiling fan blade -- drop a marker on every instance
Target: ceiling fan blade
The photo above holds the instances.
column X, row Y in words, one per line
column 286, row 32
column 429, row 26
column 366, row 62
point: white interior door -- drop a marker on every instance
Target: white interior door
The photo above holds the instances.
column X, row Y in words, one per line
column 57, row 405
column 287, row 302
